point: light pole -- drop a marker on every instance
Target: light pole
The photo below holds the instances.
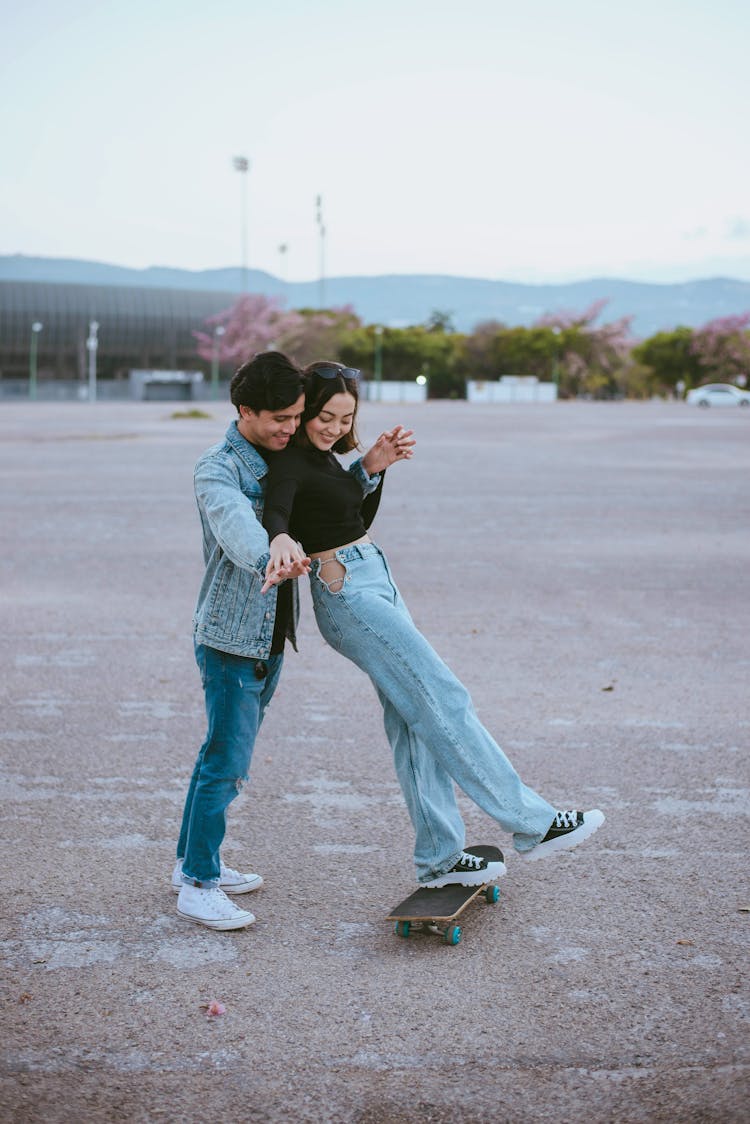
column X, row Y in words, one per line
column 283, row 251
column 322, row 249
column 36, row 328
column 242, row 165
column 378, row 367
column 92, row 344
column 218, row 333
column 556, row 369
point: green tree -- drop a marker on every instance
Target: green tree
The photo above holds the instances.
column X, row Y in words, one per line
column 526, row 351
column 407, row 353
column 475, row 356
column 494, row 350
column 669, row 358
column 440, row 321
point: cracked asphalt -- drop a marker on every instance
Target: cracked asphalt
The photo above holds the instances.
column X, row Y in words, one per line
column 583, row 568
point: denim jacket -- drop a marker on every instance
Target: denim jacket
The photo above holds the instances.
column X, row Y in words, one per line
column 232, row 614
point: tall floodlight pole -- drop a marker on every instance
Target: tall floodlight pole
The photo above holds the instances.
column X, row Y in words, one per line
column 36, row 328
column 92, row 343
column 242, row 165
column 218, row 333
column 378, row 360
column 322, row 249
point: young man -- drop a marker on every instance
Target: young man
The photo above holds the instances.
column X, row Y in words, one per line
column 239, row 634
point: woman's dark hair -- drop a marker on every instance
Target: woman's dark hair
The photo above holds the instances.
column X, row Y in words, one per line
column 269, row 381
column 318, row 391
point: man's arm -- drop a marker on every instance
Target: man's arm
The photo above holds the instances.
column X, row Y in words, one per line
column 367, row 482
column 231, row 515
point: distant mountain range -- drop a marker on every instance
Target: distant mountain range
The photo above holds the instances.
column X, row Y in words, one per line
column 398, row 300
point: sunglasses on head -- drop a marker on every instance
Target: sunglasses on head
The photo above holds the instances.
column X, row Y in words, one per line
column 336, row 372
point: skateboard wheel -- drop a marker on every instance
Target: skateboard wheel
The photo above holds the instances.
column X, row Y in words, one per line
column 492, row 894
column 453, row 935
column 402, row 928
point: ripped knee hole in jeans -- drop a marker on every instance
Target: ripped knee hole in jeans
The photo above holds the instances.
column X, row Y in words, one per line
column 335, row 574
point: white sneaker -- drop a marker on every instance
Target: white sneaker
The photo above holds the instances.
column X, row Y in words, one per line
column 470, row 870
column 567, row 830
column 231, row 881
column 212, row 908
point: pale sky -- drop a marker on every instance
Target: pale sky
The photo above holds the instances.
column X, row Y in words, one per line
column 504, row 139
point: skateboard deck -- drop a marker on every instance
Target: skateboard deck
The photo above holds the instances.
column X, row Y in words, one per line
column 436, row 910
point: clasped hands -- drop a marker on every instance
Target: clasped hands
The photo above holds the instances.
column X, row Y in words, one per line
column 393, row 445
column 288, row 560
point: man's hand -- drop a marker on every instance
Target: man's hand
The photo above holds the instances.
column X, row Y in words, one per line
column 395, row 444
column 288, row 560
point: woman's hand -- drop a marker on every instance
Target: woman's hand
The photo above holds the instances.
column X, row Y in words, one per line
column 288, row 560
column 395, row 444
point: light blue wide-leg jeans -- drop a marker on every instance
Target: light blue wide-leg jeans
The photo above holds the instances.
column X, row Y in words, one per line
column 430, row 721
column 236, row 701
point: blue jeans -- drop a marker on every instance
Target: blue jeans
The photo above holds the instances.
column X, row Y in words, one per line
column 429, row 717
column 235, row 703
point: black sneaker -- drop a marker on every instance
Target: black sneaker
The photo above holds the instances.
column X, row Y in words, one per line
column 568, row 830
column 470, row 870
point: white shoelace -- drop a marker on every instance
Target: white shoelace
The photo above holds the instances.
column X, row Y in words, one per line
column 472, row 861
column 566, row 819
column 224, row 905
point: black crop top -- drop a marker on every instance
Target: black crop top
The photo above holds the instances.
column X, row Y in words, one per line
column 311, row 497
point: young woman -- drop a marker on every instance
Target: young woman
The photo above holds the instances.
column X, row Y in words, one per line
column 314, row 507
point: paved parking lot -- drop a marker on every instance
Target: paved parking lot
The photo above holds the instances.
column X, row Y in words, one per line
column 584, row 568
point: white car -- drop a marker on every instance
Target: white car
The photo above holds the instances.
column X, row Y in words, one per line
column 718, row 394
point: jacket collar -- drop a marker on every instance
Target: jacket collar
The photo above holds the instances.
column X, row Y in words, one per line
column 247, row 453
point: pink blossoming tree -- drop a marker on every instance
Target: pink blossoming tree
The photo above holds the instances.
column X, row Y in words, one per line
column 592, row 359
column 253, row 323
column 722, row 347
column 257, row 323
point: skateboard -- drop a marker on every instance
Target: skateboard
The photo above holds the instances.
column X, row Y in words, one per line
column 436, row 910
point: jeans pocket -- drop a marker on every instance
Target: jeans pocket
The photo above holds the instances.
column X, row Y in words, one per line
column 331, row 576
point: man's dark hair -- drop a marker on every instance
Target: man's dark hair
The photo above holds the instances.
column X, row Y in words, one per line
column 269, row 381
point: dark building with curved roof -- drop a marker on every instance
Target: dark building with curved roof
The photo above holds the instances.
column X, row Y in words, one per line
column 138, row 328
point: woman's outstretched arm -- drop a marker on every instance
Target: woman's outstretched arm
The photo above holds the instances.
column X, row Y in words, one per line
column 287, row 558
